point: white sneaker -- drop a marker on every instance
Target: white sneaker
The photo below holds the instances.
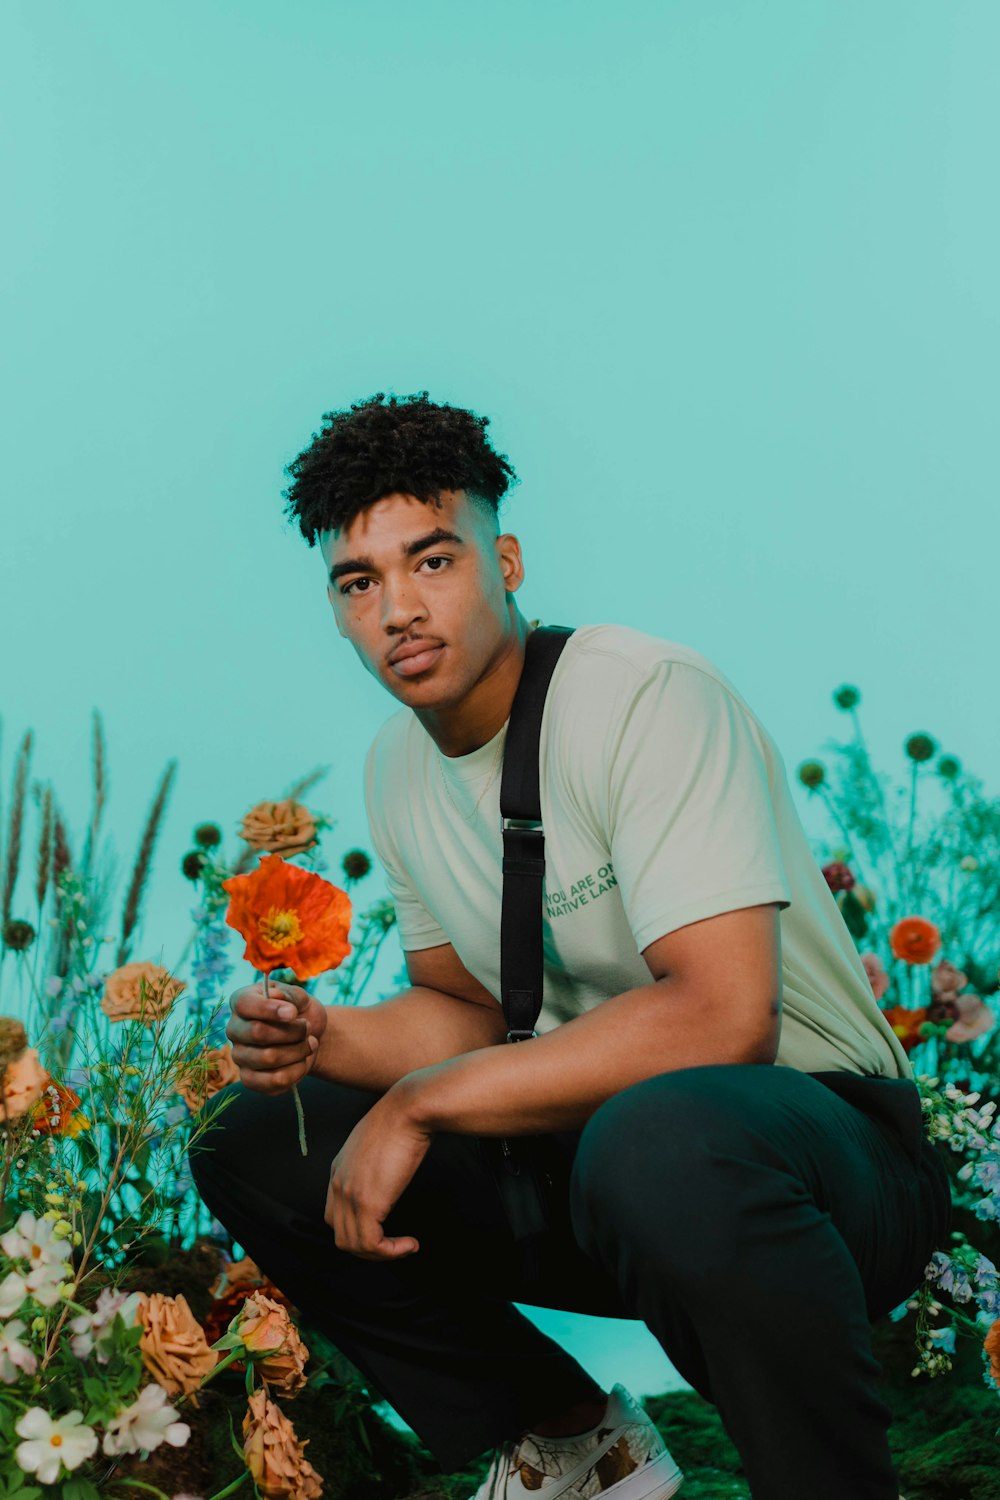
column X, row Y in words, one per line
column 622, row 1458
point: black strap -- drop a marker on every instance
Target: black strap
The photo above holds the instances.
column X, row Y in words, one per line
column 521, row 961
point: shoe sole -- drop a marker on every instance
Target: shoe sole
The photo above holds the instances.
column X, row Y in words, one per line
column 657, row 1480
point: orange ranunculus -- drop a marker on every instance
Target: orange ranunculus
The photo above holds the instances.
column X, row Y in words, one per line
column 56, row 1112
column 992, row 1346
column 906, row 1024
column 914, row 940
column 289, row 917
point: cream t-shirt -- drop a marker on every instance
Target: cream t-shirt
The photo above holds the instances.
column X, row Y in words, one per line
column 664, row 801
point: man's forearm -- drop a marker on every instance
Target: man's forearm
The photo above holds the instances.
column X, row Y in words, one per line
column 556, row 1081
column 373, row 1046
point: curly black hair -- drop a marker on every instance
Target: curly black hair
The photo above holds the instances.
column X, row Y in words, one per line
column 384, row 445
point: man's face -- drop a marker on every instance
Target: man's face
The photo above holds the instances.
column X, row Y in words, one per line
column 421, row 592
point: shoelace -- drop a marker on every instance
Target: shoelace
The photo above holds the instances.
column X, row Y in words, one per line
column 503, row 1456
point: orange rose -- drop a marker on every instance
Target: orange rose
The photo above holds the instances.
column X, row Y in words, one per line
column 140, row 992
column 273, row 1343
column 202, row 1078
column 173, row 1345
column 24, row 1082
column 274, row 1455
column 290, row 918
column 914, row 940
column 992, row 1346
column 906, row 1024
column 279, row 827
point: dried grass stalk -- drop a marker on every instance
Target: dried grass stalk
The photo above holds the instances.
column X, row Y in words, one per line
column 100, row 775
column 62, row 857
column 144, row 859
column 16, row 826
column 44, row 848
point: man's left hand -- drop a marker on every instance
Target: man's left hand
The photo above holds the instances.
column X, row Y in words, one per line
column 368, row 1175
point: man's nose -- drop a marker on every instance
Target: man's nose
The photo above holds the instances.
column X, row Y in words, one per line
column 401, row 605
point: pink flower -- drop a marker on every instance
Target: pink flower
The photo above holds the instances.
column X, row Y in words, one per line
column 877, row 976
column 974, row 1018
column 946, row 980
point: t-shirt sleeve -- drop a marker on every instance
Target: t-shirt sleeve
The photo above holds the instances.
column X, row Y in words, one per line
column 417, row 927
column 692, row 828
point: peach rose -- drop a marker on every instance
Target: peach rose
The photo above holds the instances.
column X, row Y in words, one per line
column 974, row 1018
column 877, row 976
column 202, row 1078
column 273, row 1343
column 140, row 991
column 173, row 1345
column 946, row 980
column 279, row 827
column 235, row 1274
column 274, row 1455
column 24, row 1082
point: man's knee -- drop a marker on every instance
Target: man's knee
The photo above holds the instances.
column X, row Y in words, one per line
column 659, row 1162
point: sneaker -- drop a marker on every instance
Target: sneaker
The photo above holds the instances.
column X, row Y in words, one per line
column 622, row 1458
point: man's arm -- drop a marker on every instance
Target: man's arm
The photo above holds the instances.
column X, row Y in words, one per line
column 715, row 998
column 447, row 1013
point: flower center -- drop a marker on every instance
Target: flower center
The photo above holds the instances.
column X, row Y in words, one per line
column 56, row 1440
column 280, row 927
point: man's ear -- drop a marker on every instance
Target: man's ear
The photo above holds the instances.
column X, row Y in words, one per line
column 508, row 550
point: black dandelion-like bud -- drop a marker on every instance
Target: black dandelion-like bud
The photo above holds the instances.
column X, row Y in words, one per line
column 920, row 747
column 208, row 835
column 356, row 864
column 812, row 774
column 847, row 697
column 18, row 935
column 193, row 863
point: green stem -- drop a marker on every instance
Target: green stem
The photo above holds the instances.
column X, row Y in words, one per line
column 298, row 1102
column 220, row 1494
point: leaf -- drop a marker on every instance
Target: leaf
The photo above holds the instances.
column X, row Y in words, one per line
column 80, row 1489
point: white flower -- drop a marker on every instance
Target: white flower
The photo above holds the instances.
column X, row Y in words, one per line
column 14, row 1355
column 89, row 1329
column 147, row 1423
column 35, row 1241
column 66, row 1440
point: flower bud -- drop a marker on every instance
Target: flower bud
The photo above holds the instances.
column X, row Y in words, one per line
column 812, row 773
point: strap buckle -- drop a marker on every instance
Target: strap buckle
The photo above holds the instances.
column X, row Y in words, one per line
column 520, row 1036
column 530, row 825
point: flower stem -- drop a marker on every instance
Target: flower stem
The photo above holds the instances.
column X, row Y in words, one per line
column 298, row 1102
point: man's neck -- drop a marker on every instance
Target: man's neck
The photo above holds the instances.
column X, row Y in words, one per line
column 484, row 711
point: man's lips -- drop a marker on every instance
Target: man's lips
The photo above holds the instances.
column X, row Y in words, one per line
column 414, row 657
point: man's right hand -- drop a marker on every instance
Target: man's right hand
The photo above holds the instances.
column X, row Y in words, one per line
column 273, row 1051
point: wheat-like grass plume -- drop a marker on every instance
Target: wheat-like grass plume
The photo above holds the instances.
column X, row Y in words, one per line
column 144, row 859
column 44, row 848
column 16, row 825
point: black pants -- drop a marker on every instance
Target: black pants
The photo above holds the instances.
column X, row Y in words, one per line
column 757, row 1219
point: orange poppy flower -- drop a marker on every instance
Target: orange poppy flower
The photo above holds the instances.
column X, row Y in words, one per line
column 289, row 917
column 992, row 1346
column 906, row 1023
column 914, row 940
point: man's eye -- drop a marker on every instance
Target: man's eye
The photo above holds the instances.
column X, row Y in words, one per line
column 350, row 587
column 436, row 558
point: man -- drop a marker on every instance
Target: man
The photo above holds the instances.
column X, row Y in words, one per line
column 745, row 1167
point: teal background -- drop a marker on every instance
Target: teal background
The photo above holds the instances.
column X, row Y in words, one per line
column 722, row 275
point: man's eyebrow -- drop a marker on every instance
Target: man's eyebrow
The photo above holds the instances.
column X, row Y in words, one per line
column 410, row 549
